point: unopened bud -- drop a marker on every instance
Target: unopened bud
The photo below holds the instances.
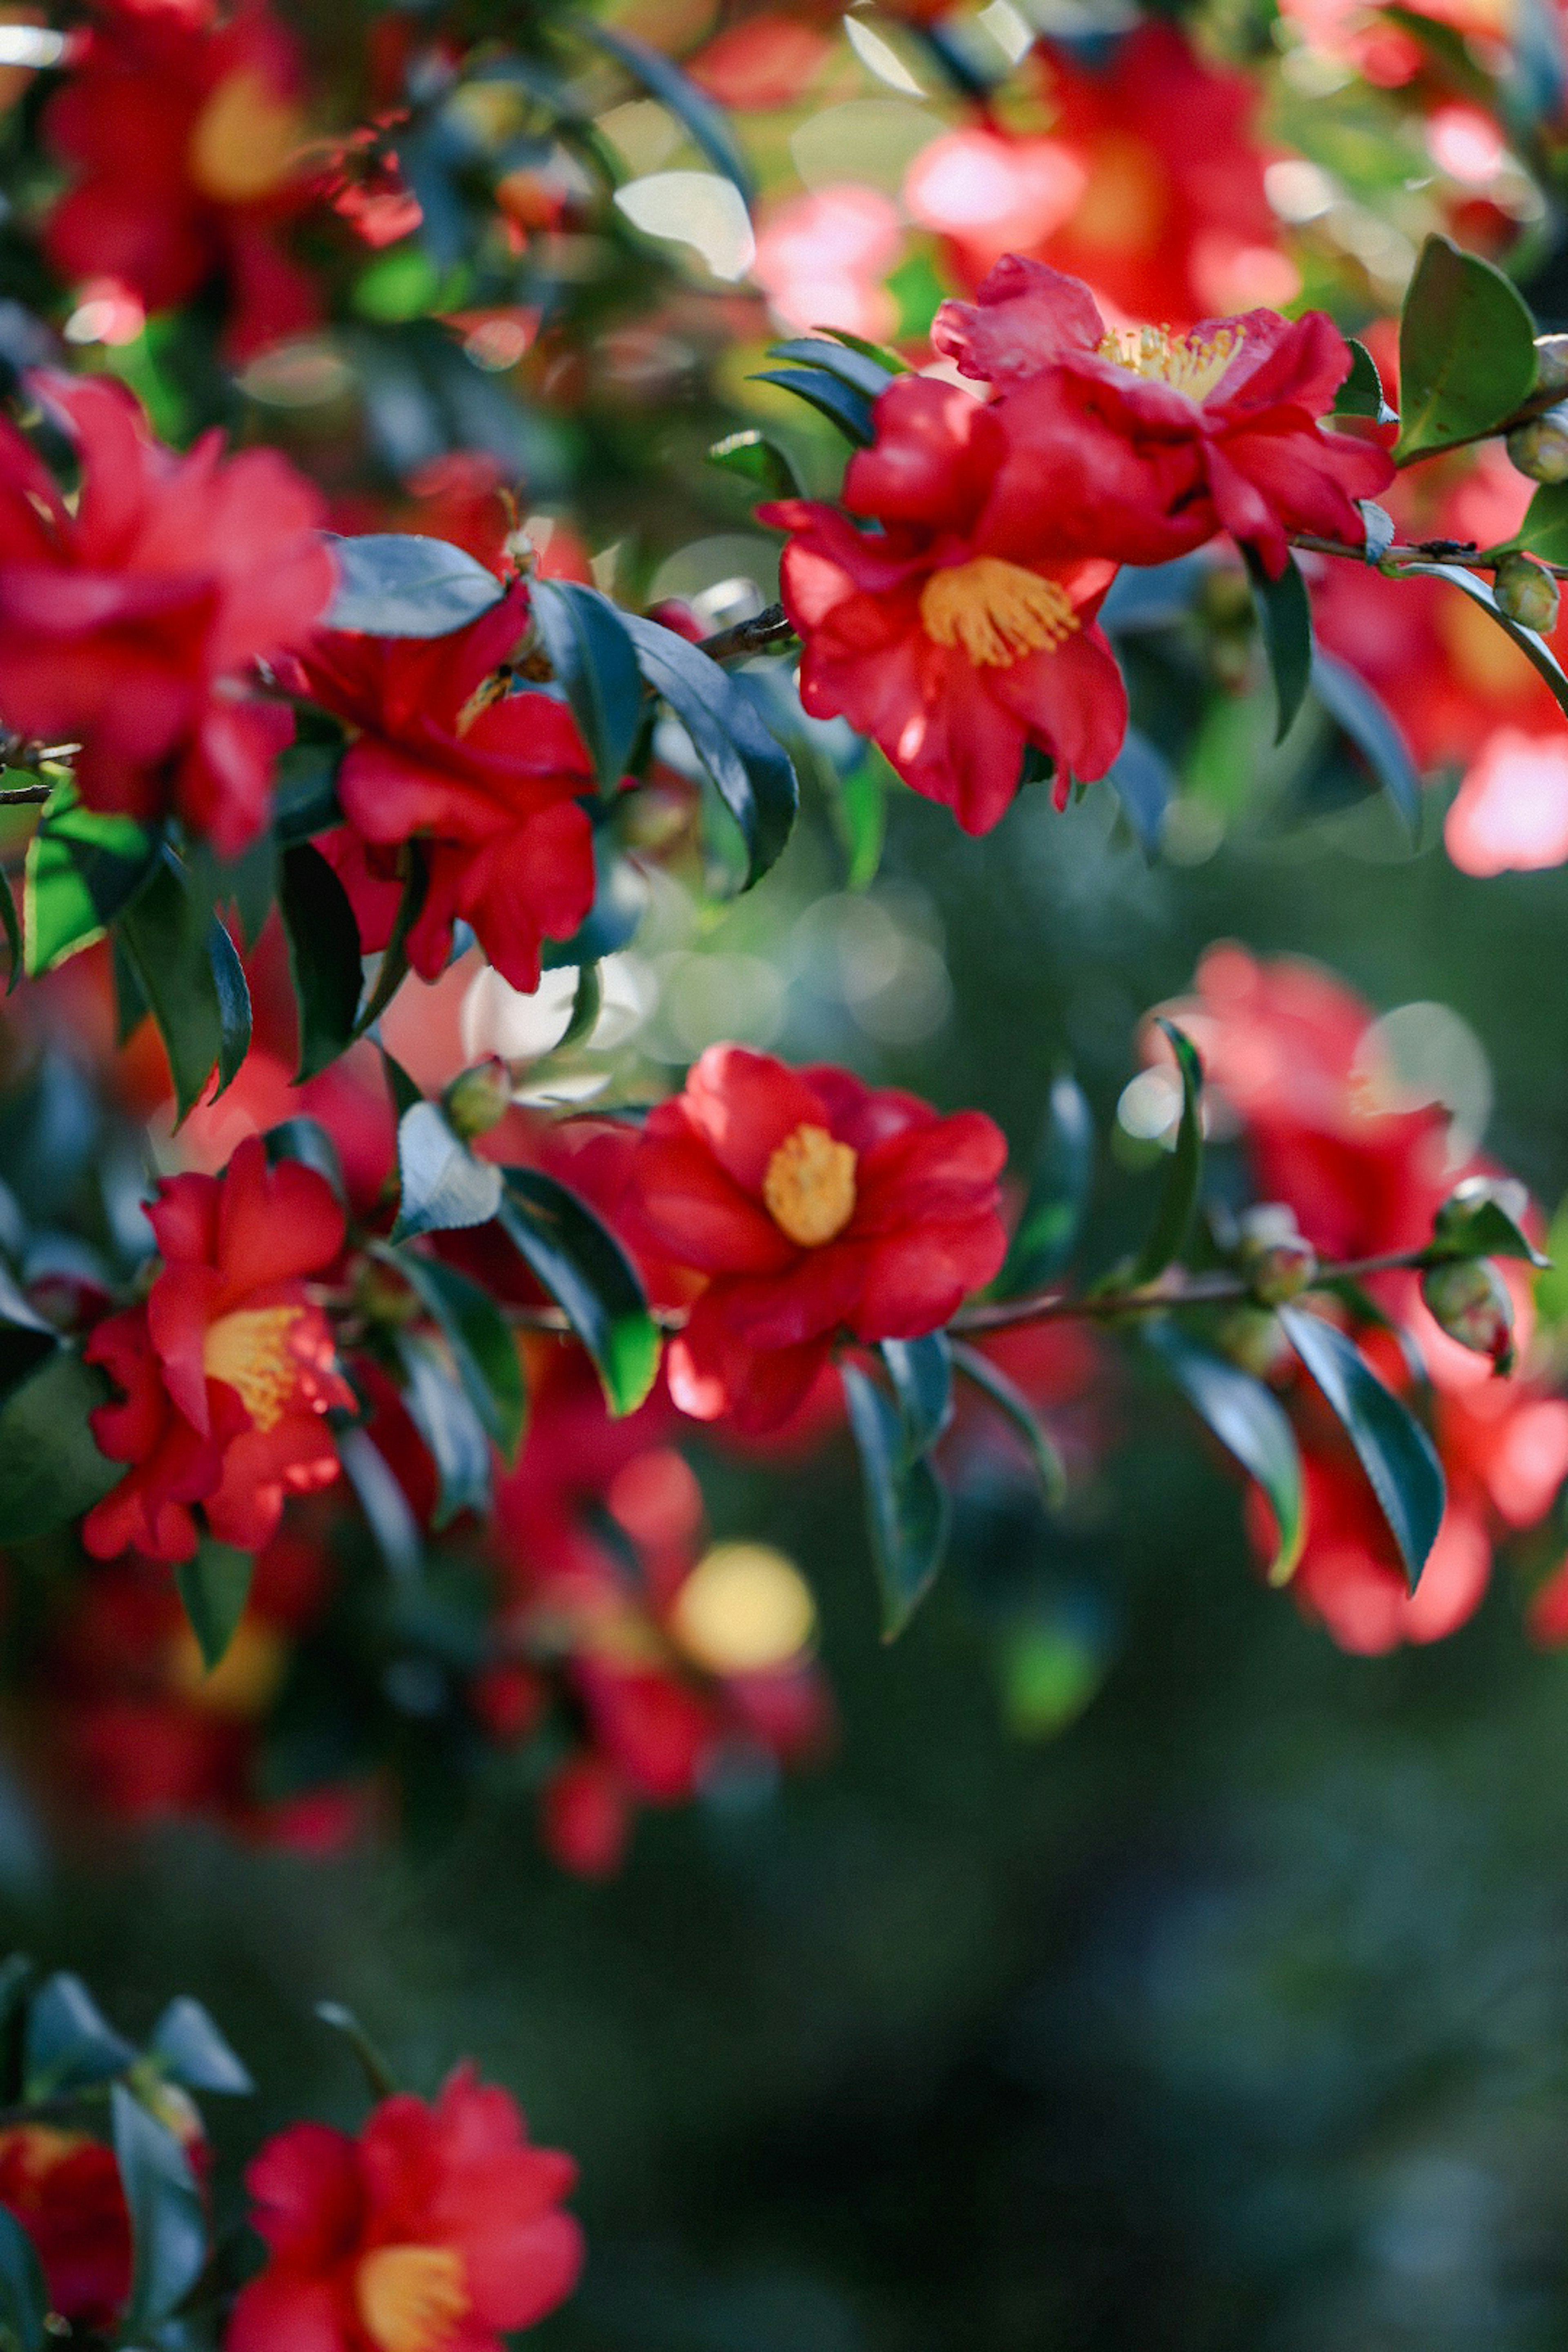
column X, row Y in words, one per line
column 1252, row 1338
column 1278, row 1260
column 1551, row 363
column 479, row 1099
column 1469, row 1300
column 1526, row 592
column 1540, row 449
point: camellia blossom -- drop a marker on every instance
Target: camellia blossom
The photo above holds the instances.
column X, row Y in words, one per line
column 488, row 781
column 962, row 630
column 226, row 1367
column 184, row 127
column 438, row 2230
column 64, row 2188
column 1511, row 811
column 130, row 619
column 818, row 1208
column 1224, row 417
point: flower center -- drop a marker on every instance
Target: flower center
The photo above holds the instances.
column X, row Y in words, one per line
column 809, row 1187
column 251, row 1351
column 411, row 2298
column 244, row 140
column 995, row 612
column 1182, row 362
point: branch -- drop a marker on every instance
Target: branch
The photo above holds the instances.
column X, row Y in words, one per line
column 25, row 796
column 1425, row 551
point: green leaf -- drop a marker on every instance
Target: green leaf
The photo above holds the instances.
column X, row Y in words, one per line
column 840, row 402
column 26, row 1338
column 860, row 813
column 393, row 968
column 889, row 361
column 1285, row 623
column 595, row 664
column 383, row 2083
column 848, row 361
column 1544, row 530
column 921, row 1371
column 168, row 2219
column 1145, row 783
column 233, row 992
column 398, row 584
column 167, row 937
column 23, row 2289
column 751, row 772
column 1059, row 1191
column 1536, row 651
column 215, row 1585
column 1394, row 1450
column 68, row 2044
column 308, row 1142
column 908, row 1510
column 51, row 1470
column 1365, row 719
column 1483, row 1217
column 82, row 870
column 1466, row 350
column 384, row 1502
column 11, row 924
column 305, row 792
column 483, row 1347
column 584, row 1269
column 755, row 458
column 443, row 1185
column 1010, row 1400
column 453, row 1432
column 663, row 80
column 324, row 959
column 1184, row 1173
column 1251, row 1424
column 1362, row 393
column 191, row 2051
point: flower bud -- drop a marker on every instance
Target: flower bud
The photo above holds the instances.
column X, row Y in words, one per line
column 1251, row 1336
column 1469, row 1300
column 1276, row 1259
column 1526, row 592
column 1551, row 363
column 479, row 1099
column 1540, row 449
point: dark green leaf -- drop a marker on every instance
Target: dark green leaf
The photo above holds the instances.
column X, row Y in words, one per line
column 1483, row 1217
column 1352, row 705
column 26, row 1338
column 1394, row 1450
column 752, row 775
column 595, row 664
column 215, row 1585
column 861, row 816
column 1059, row 1191
column 378, row 2074
column 907, row 1507
column 1184, row 1173
column 1251, row 1424
column 1010, row 1400
column 51, row 1470
column 483, row 1347
column 323, row 955
column 23, row 2289
column 664, row 81
column 168, row 2219
column 890, row 363
column 840, row 402
column 757, row 459
column 399, row 1084
column 305, row 792
column 849, row 362
column 384, row 1502
column 453, row 1432
column 397, row 584
column 1285, row 623
column 10, row 923
column 233, row 993
column 1466, row 350
column 130, row 1004
column 1144, row 782
column 166, row 934
column 584, row 1269
column 443, row 1185
column 587, row 1003
column 921, row 1371
column 1535, row 649
column 1544, row 530
column 68, row 2045
column 1362, row 394
column 192, row 2051
column 82, row 870
column 308, row 1142
column 393, row 968
column 619, row 906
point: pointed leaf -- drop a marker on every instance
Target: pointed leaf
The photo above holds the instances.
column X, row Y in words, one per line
column 453, row 1433
column 1394, row 1450
column 921, row 1373
column 50, row 1469
column 1059, row 1191
column 1250, row 1424
column 1466, row 350
column 233, row 993
column 384, row 1502
column 11, row 924
column 595, row 664
column 840, row 402
column 308, row 1142
column 1285, row 623
column 23, row 2289
column 443, row 1185
column 584, row 1269
column 305, row 792
column 483, row 1347
column 663, row 80
column 1372, row 728
column 1535, row 649
column 1483, row 1217
column 215, row 1585
column 1010, row 1400
column 192, row 2052
column 166, row 937
column 908, row 1510
column 1544, row 530
column 325, row 961
column 82, row 870
column 849, row 362
column 1145, row 783
column 399, row 585
column 752, row 775
column 383, row 2083
column 1184, row 1173
column 68, row 2044
column 1362, row 394
column 168, row 2219
column 755, row 458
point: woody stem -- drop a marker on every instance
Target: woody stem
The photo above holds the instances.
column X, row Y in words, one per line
column 1435, row 551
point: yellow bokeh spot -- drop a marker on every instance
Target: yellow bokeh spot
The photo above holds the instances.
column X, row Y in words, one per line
column 995, row 611
column 251, row 1351
column 809, row 1186
column 743, row 1608
column 245, row 140
column 245, row 1680
column 411, row 2298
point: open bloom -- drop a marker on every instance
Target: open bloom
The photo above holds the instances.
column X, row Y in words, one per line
column 130, row 620
column 818, row 1208
column 438, row 2230
column 488, row 781
column 963, row 628
column 64, row 2188
column 226, row 1368
column 183, row 128
column 1225, row 418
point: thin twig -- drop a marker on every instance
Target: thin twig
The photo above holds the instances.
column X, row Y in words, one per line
column 764, row 632
column 25, row 796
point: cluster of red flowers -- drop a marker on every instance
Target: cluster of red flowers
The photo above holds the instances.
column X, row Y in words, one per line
column 961, row 628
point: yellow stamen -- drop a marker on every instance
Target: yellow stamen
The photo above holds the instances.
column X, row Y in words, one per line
column 1181, row 361
column 995, row 612
column 244, row 140
column 251, row 1351
column 411, row 2298
column 809, row 1186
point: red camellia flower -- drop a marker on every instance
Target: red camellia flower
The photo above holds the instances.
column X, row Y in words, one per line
column 183, row 126
column 818, row 1208
column 226, row 1367
column 486, row 779
column 1226, row 418
column 963, row 628
column 130, row 619
column 437, row 2230
column 64, row 2188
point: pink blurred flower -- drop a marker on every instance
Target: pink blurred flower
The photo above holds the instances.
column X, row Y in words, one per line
column 1511, row 812
column 821, row 259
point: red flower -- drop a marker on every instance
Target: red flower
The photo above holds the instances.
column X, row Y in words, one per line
column 1225, row 418
column 817, row 1208
column 226, row 1368
column 185, row 131
column 488, row 781
column 437, row 2230
column 130, row 620
column 963, row 629
column 65, row 2190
